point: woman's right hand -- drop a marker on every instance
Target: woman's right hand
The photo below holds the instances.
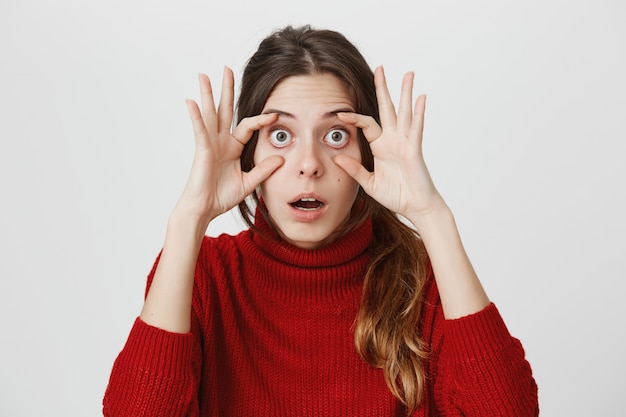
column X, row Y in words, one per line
column 216, row 182
column 215, row 185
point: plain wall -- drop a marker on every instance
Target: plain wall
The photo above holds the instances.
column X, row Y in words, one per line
column 524, row 137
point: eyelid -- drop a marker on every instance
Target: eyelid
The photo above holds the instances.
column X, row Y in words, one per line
column 348, row 136
column 276, row 128
column 349, row 130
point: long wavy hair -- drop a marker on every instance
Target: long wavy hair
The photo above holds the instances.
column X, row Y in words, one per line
column 386, row 327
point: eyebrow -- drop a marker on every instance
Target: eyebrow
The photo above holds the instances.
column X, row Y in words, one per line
column 328, row 115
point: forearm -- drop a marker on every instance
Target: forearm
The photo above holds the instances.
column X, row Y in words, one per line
column 459, row 287
column 156, row 374
column 168, row 302
column 488, row 366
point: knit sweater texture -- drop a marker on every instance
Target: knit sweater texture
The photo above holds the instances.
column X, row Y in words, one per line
column 272, row 335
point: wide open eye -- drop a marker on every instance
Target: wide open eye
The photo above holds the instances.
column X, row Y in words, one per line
column 280, row 138
column 337, row 138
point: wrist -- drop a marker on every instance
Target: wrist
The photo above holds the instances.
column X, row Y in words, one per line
column 427, row 221
column 459, row 287
column 188, row 223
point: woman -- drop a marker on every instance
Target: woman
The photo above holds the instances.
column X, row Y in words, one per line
column 329, row 304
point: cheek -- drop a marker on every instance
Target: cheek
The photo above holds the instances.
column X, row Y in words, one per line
column 261, row 147
column 264, row 150
column 271, row 188
column 354, row 151
column 347, row 185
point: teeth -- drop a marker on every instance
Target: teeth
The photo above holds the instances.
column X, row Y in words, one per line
column 307, row 203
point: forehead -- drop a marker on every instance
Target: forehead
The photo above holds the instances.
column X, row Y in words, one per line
column 319, row 90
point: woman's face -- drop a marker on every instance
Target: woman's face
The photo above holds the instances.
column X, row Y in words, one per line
column 309, row 196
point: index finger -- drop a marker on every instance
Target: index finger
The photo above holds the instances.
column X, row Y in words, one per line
column 244, row 130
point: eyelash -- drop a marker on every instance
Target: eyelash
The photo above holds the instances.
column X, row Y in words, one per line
column 345, row 139
column 276, row 129
column 279, row 144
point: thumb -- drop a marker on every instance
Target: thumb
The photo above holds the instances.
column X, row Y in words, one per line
column 262, row 171
column 354, row 169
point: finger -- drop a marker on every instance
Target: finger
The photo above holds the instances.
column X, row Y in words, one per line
column 417, row 125
column 227, row 96
column 208, row 104
column 261, row 172
column 385, row 104
column 405, row 114
column 355, row 169
column 199, row 129
column 371, row 129
column 244, row 130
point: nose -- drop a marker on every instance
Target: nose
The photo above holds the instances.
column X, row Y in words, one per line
column 310, row 163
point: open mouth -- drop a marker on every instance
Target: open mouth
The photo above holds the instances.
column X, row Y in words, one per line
column 307, row 203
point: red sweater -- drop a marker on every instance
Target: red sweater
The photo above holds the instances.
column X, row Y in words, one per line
column 272, row 336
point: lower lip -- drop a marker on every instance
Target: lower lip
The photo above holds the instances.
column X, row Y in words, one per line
column 307, row 215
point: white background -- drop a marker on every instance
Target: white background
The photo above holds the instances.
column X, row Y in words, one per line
column 525, row 139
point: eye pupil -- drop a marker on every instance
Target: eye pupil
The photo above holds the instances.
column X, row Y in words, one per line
column 280, row 138
column 337, row 137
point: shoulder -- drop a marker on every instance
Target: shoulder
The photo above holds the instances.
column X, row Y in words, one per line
column 223, row 249
column 218, row 269
column 481, row 334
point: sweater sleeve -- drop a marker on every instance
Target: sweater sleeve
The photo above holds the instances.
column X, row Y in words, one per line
column 157, row 373
column 482, row 370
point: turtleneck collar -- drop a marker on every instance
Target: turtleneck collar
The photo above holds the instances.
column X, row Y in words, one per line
column 343, row 250
column 328, row 276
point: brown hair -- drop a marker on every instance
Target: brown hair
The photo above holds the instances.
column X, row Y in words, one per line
column 386, row 327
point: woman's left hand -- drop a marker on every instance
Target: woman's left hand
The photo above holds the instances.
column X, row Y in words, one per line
column 400, row 181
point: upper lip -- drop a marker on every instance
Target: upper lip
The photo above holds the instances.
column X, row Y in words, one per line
column 308, row 196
